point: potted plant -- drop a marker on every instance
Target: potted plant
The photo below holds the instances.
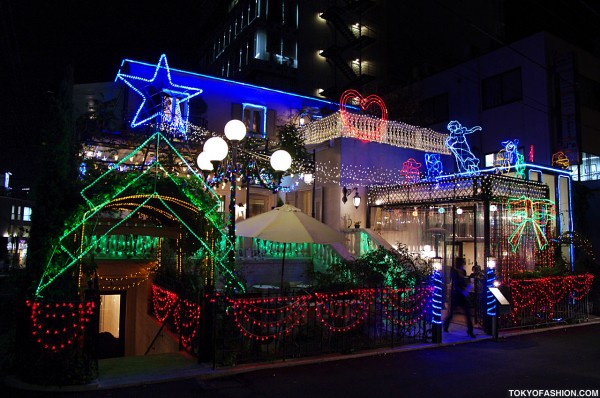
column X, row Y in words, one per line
column 357, row 224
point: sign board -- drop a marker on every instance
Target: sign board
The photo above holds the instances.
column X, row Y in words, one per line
column 503, row 304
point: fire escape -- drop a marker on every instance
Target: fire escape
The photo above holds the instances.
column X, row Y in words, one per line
column 345, row 54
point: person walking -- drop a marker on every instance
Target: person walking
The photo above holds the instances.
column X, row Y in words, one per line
column 460, row 294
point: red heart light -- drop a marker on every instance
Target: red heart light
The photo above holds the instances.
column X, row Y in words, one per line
column 363, row 128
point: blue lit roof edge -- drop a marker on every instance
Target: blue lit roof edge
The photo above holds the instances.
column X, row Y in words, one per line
column 227, row 81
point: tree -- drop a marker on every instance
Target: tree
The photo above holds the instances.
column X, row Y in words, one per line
column 56, row 190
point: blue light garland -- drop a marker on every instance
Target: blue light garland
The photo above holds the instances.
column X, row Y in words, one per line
column 436, row 301
column 490, row 299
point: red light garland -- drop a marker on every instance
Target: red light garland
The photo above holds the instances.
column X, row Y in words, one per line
column 58, row 325
column 186, row 314
column 163, row 301
column 264, row 319
column 343, row 311
column 373, row 131
column 405, row 307
column 544, row 293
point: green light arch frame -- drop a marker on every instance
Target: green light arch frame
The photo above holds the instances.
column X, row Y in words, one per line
column 99, row 201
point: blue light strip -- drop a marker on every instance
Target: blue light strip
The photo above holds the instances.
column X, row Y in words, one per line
column 490, row 299
column 493, row 170
column 536, row 171
column 436, row 301
column 232, row 82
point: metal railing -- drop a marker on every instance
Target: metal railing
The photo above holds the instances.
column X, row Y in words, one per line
column 566, row 311
column 254, row 328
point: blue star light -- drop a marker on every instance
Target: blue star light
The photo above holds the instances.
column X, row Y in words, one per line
column 171, row 96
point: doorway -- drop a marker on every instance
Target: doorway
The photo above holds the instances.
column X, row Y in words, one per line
column 111, row 340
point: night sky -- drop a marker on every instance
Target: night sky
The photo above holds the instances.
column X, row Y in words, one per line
column 40, row 39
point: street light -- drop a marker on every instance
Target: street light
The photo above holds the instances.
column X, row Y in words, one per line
column 215, row 151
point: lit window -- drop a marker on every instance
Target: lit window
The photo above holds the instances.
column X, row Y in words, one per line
column 26, row 213
column 255, row 118
column 174, row 113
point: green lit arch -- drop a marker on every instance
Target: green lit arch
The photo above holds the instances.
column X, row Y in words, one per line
column 99, row 196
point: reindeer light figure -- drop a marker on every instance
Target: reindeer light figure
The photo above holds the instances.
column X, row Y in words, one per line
column 456, row 142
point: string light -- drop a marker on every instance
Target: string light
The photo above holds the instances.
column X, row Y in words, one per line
column 184, row 313
column 265, row 319
column 559, row 159
column 397, row 134
column 159, row 81
column 457, row 144
column 434, row 165
column 55, row 326
column 343, row 311
column 405, row 307
column 410, row 171
column 437, row 300
column 543, row 294
column 524, row 212
column 96, row 203
column 372, row 131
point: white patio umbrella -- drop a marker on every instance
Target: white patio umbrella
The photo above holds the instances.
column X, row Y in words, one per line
column 287, row 224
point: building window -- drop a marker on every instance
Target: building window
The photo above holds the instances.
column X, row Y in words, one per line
column 434, row 110
column 588, row 170
column 254, row 117
column 589, row 93
column 501, row 89
column 258, row 206
column 501, row 159
column 174, row 113
column 26, row 213
column 221, row 208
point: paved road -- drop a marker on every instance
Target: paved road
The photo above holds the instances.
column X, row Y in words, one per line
column 563, row 358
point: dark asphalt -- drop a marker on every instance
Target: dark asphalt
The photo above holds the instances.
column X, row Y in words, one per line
column 561, row 358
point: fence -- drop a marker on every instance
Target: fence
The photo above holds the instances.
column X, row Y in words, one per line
column 546, row 301
column 266, row 328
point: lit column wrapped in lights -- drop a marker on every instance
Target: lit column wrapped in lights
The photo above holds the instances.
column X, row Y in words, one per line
column 491, row 282
column 490, row 277
column 436, row 302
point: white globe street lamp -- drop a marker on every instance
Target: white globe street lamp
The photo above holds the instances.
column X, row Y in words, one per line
column 216, row 148
column 281, row 160
column 203, row 162
column 235, row 130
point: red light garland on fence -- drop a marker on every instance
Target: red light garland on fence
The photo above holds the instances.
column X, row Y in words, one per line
column 186, row 314
column 187, row 317
column 546, row 292
column 58, row 325
column 163, row 301
column 405, row 307
column 343, row 311
column 264, row 319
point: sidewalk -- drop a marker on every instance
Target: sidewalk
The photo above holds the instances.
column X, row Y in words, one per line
column 144, row 370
